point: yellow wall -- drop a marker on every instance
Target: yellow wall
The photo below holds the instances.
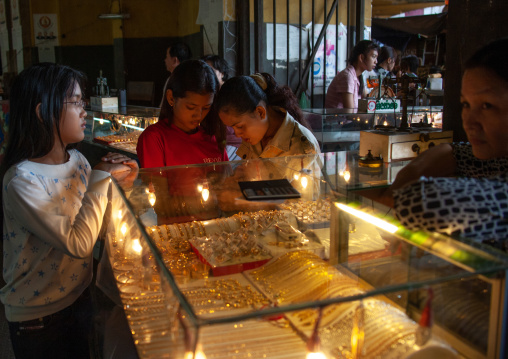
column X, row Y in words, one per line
column 80, row 25
column 187, row 15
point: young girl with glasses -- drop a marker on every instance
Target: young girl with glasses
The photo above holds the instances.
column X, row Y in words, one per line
column 53, row 205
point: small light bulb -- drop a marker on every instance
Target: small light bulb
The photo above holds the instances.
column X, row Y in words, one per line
column 151, row 198
column 123, row 228
column 120, row 214
column 200, row 187
column 198, row 355
column 347, row 176
column 318, row 355
column 296, row 176
column 136, row 246
column 205, row 194
column 304, row 181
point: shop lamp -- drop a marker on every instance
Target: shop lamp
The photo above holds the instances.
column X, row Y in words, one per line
column 368, row 218
column 114, row 16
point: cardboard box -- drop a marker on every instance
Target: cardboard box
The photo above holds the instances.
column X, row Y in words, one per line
column 100, row 103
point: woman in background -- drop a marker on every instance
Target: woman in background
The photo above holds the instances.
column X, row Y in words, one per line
column 384, row 69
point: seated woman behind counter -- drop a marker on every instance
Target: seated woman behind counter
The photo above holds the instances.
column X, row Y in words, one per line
column 475, row 203
column 266, row 116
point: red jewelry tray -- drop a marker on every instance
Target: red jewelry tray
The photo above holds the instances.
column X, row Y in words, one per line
column 218, row 271
column 102, row 142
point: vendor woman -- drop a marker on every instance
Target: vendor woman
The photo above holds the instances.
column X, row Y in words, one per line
column 474, row 202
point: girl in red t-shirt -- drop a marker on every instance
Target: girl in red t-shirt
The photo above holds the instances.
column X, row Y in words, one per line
column 189, row 130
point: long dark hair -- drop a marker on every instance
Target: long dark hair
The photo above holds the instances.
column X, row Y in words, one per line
column 198, row 77
column 31, row 135
column 491, row 56
column 242, row 94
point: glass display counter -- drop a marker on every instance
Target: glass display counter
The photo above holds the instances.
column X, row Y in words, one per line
column 120, row 127
column 338, row 130
column 203, row 272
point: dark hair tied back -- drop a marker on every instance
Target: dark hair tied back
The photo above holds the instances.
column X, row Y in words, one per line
column 242, row 94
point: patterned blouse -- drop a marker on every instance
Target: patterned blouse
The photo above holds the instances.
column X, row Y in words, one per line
column 473, row 205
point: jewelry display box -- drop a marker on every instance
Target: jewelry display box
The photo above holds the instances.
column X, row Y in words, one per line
column 345, row 280
column 120, row 127
column 337, row 130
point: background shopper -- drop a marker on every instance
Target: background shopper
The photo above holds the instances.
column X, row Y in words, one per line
column 347, row 86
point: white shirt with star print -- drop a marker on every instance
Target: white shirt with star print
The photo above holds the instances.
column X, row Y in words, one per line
column 52, row 218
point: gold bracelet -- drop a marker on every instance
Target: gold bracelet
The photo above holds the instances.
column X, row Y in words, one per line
column 186, row 230
column 180, row 230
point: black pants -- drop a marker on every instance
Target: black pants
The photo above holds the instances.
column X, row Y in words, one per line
column 64, row 334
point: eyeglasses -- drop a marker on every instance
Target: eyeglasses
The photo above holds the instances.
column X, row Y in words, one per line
column 81, row 103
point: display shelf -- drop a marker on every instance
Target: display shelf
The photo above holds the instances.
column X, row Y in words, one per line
column 339, row 130
column 343, row 280
column 120, row 127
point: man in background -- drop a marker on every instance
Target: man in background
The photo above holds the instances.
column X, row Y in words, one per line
column 175, row 54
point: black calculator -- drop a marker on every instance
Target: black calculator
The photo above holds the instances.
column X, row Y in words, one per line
column 271, row 189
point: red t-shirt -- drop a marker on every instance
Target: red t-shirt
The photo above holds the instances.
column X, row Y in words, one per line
column 162, row 145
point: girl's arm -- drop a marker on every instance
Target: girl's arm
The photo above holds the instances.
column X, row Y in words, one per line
column 29, row 202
